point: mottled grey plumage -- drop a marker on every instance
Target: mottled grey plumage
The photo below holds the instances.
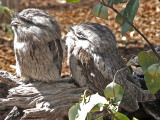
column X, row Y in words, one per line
column 94, row 59
column 37, row 45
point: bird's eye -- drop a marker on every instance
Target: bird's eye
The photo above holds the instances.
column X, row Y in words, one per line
column 25, row 19
column 80, row 35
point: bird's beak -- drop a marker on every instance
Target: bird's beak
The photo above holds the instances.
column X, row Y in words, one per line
column 70, row 28
column 15, row 20
column 15, row 23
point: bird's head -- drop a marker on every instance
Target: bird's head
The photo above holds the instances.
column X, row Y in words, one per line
column 35, row 22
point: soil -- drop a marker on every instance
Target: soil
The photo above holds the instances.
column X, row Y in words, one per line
column 147, row 20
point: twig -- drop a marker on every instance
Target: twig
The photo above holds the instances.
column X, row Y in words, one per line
column 125, row 19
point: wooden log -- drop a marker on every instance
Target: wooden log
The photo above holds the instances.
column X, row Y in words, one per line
column 41, row 100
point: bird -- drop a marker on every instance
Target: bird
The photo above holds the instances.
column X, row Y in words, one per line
column 90, row 55
column 95, row 62
column 37, row 45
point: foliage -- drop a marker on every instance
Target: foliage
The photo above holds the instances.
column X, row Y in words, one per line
column 8, row 14
column 73, row 0
column 73, row 112
column 95, row 103
column 6, row 11
column 146, row 59
column 119, row 116
column 150, row 66
column 113, row 91
column 152, row 77
column 7, row 28
column 129, row 12
column 100, row 11
column 149, row 61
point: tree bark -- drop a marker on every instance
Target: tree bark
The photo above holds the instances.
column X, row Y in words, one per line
column 38, row 100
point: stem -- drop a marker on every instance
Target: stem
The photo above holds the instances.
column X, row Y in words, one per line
column 112, row 114
column 125, row 19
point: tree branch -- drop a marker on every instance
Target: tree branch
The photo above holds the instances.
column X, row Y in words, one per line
column 125, row 19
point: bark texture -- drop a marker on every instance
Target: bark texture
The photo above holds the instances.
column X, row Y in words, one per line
column 38, row 100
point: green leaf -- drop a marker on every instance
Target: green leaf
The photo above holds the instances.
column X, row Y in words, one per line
column 89, row 103
column 73, row 111
column 124, row 1
column 100, row 11
column 100, row 118
column 116, row 2
column 119, row 19
column 129, row 65
column 134, row 118
column 73, row 0
column 129, row 13
column 4, row 10
column 114, row 90
column 89, row 116
column 129, row 62
column 152, row 77
column 119, row 116
column 146, row 59
column 97, row 107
